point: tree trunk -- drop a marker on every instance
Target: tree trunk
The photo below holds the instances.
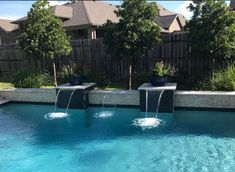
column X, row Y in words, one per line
column 54, row 70
column 130, row 74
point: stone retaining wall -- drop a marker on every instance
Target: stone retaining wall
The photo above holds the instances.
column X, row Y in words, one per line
column 205, row 99
column 197, row 99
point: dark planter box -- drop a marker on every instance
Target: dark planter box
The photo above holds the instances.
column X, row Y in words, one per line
column 80, row 99
column 158, row 80
column 77, row 80
column 167, row 99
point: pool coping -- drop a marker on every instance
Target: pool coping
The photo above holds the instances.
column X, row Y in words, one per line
column 128, row 98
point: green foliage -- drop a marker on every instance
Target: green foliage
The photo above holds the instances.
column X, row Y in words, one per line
column 221, row 80
column 31, row 78
column 72, row 70
column 212, row 29
column 101, row 79
column 161, row 69
column 140, row 77
column 67, row 72
column 43, row 35
column 135, row 33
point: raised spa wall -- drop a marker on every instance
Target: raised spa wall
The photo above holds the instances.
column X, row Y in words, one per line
column 192, row 99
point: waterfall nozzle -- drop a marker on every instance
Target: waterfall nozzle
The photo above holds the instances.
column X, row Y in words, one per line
column 55, row 114
column 158, row 103
column 149, row 122
column 105, row 114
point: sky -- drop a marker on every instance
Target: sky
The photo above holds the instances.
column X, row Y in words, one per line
column 13, row 10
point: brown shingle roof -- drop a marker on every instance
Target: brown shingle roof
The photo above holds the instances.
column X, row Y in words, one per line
column 58, row 10
column 7, row 26
column 99, row 12
column 93, row 13
column 166, row 17
column 96, row 13
column 79, row 15
column 165, row 21
column 63, row 11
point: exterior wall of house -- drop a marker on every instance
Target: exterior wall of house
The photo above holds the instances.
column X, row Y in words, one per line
column 175, row 26
column 78, row 34
column 7, row 37
column 89, row 33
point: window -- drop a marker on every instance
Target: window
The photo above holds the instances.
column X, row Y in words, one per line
column 80, row 34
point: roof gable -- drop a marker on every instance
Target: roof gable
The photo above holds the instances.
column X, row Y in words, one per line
column 166, row 17
column 99, row 12
column 79, row 15
column 95, row 13
column 7, row 26
column 165, row 21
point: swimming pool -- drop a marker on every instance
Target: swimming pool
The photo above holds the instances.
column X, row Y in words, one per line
column 186, row 141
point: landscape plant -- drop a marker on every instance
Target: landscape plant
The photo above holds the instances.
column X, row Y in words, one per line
column 212, row 29
column 31, row 78
column 220, row 80
column 135, row 33
column 161, row 69
column 43, row 36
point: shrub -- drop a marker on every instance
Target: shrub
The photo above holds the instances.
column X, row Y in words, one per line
column 67, row 72
column 101, row 79
column 31, row 78
column 161, row 69
column 139, row 78
column 221, row 80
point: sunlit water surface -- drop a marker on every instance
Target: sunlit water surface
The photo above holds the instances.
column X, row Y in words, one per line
column 92, row 141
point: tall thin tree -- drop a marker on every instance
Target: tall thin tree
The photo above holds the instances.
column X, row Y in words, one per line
column 135, row 33
column 43, row 36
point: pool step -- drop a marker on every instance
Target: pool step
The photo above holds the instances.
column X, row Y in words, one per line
column 3, row 100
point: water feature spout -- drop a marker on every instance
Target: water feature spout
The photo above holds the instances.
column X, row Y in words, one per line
column 55, row 114
column 70, row 98
column 104, row 113
column 103, row 102
column 158, row 102
column 56, row 100
column 149, row 122
column 146, row 105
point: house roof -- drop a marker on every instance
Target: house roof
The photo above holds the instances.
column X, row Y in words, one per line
column 96, row 13
column 61, row 11
column 93, row 13
column 232, row 5
column 165, row 21
column 169, row 16
column 7, row 26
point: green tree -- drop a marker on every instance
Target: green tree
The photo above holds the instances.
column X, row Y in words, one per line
column 43, row 35
column 135, row 33
column 212, row 29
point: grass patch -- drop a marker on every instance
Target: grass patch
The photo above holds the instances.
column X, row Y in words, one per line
column 5, row 84
column 48, row 86
column 115, row 86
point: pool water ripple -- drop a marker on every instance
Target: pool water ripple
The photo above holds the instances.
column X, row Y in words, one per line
column 186, row 142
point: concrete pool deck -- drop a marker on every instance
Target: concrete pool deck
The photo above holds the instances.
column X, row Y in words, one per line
column 193, row 99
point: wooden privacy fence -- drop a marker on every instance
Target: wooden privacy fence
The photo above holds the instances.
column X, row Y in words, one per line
column 174, row 50
column 11, row 59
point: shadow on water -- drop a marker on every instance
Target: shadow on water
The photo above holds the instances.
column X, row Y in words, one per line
column 214, row 123
column 82, row 126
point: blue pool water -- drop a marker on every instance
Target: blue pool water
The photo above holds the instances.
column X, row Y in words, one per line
column 186, row 141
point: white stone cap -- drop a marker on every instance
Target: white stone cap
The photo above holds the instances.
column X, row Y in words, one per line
column 68, row 86
column 150, row 87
